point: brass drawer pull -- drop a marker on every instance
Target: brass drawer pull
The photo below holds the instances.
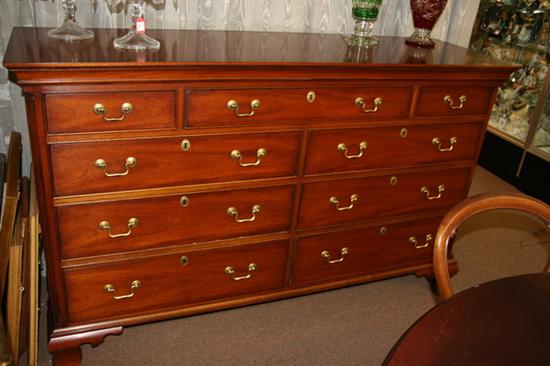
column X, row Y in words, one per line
column 236, row 154
column 100, row 110
column 344, row 149
column 360, row 102
column 325, row 254
column 234, row 106
column 110, row 288
column 449, row 100
column 231, row 271
column 102, row 164
column 437, row 142
column 132, row 223
column 415, row 243
column 426, row 191
column 232, row 211
column 334, row 200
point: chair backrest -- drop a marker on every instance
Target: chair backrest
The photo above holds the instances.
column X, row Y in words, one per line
column 467, row 208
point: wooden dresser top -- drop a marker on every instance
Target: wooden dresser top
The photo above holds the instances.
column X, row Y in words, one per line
column 30, row 49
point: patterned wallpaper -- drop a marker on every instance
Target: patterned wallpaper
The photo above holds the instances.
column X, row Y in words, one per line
column 324, row 16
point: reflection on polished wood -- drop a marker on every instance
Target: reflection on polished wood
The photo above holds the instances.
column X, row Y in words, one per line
column 502, row 322
column 32, row 45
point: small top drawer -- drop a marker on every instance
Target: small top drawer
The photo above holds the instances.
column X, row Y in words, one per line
column 245, row 107
column 453, row 100
column 102, row 111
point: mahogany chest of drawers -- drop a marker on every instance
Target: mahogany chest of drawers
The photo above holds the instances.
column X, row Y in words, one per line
column 233, row 168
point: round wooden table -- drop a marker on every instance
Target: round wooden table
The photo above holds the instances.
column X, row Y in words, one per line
column 502, row 322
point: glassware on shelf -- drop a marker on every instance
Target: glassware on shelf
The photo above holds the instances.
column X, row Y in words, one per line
column 425, row 14
column 365, row 13
column 518, row 32
column 136, row 39
column 70, row 30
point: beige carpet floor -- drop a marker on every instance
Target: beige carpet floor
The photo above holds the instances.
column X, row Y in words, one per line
column 352, row 326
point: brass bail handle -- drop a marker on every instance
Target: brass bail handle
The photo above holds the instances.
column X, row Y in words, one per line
column 234, row 106
column 236, row 154
column 415, row 243
column 429, row 195
column 437, row 143
column 102, row 165
column 132, row 223
column 334, row 200
column 231, row 271
column 233, row 212
column 449, row 100
column 360, row 102
column 344, row 150
column 100, row 110
column 325, row 254
column 110, row 289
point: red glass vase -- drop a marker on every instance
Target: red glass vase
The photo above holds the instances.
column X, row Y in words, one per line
column 425, row 14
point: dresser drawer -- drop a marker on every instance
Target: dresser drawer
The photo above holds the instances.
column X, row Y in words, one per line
column 390, row 147
column 446, row 100
column 121, row 226
column 348, row 253
column 172, row 161
column 350, row 200
column 207, row 108
column 173, row 280
column 95, row 112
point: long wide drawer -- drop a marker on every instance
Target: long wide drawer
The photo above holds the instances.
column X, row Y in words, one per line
column 141, row 286
column 122, row 226
column 106, row 166
column 390, row 147
column 350, row 200
column 248, row 107
column 116, row 111
column 373, row 249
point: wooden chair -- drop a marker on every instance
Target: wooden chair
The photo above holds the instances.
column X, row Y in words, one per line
column 467, row 208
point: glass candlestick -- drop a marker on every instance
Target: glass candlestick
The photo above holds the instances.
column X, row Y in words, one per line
column 136, row 39
column 70, row 30
column 365, row 13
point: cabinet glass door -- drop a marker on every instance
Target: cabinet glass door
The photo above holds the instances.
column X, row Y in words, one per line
column 517, row 31
column 540, row 145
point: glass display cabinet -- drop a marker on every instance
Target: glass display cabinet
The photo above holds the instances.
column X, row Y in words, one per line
column 517, row 147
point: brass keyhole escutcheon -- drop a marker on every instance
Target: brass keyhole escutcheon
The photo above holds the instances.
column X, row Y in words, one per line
column 404, row 132
column 184, row 201
column 310, row 96
column 383, row 230
column 184, row 260
column 393, row 180
column 185, row 145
